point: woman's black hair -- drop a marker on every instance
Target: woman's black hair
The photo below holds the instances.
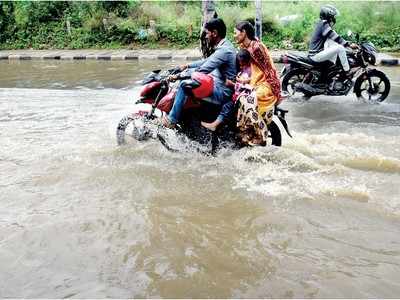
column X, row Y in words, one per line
column 243, row 55
column 218, row 25
column 248, row 28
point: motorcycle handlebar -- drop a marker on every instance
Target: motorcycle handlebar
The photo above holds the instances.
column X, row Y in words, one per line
column 174, row 70
column 178, row 74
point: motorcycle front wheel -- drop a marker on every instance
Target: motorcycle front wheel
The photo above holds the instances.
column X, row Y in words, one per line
column 131, row 128
column 372, row 86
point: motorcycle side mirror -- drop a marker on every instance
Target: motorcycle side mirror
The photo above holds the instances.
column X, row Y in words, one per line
column 357, row 37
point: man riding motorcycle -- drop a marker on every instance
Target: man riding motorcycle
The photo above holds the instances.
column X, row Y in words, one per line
column 221, row 65
column 326, row 44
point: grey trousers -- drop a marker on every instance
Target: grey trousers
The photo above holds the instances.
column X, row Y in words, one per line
column 331, row 52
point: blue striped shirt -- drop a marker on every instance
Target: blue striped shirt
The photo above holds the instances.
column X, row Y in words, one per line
column 322, row 32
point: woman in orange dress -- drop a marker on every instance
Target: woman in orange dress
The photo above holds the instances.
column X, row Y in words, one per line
column 256, row 110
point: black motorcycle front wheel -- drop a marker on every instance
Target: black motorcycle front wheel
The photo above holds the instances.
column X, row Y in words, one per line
column 290, row 80
column 372, row 86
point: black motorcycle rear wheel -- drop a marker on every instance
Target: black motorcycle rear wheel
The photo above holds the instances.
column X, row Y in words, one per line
column 291, row 78
column 275, row 134
column 373, row 86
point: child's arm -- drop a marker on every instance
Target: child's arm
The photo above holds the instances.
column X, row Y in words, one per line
column 243, row 80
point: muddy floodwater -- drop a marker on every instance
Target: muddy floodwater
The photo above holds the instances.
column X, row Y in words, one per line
column 81, row 217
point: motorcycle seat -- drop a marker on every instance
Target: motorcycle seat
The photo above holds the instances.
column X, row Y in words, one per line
column 306, row 59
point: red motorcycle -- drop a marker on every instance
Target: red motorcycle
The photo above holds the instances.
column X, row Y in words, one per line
column 156, row 99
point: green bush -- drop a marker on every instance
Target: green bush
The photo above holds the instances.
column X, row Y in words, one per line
column 85, row 24
column 7, row 22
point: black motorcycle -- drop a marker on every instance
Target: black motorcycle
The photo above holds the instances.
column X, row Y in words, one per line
column 303, row 76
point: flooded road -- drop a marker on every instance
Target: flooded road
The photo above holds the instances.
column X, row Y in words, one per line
column 83, row 218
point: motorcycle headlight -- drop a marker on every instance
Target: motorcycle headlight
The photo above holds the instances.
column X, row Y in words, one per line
column 370, row 58
column 369, row 52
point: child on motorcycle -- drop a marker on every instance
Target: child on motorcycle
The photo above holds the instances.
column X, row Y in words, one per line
column 242, row 81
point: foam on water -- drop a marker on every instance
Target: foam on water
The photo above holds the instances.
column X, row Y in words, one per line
column 315, row 165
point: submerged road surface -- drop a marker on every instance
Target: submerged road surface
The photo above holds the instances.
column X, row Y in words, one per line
column 81, row 217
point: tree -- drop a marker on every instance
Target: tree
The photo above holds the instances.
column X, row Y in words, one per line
column 258, row 19
column 208, row 10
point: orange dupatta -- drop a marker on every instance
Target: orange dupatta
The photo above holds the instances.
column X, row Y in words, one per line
column 260, row 55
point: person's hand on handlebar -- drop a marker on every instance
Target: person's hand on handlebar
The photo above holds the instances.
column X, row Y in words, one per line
column 176, row 76
column 354, row 46
column 183, row 67
column 172, row 77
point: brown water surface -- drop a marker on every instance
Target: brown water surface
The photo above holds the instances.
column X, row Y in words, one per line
column 81, row 217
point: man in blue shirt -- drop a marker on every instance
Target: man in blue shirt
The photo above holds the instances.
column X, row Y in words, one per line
column 221, row 65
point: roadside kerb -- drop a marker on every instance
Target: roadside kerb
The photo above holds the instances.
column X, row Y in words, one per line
column 188, row 54
column 103, row 57
column 179, row 57
column 147, row 57
column 193, row 57
column 390, row 62
column 91, row 56
column 164, row 57
column 118, row 57
column 131, row 57
column 78, row 57
column 66, row 57
column 51, row 56
column 14, row 56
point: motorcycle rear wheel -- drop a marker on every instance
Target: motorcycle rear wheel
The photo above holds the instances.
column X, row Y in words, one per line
column 289, row 81
column 373, row 86
column 275, row 134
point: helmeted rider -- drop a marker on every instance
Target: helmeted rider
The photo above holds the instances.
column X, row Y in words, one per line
column 326, row 44
column 221, row 65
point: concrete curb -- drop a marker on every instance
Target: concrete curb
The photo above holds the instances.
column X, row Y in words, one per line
column 121, row 55
column 99, row 57
column 390, row 62
column 163, row 57
column 54, row 56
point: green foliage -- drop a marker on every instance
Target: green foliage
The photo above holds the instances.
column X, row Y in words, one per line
column 6, row 20
column 101, row 24
column 178, row 36
column 29, row 14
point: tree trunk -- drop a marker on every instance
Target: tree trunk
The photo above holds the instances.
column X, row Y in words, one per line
column 208, row 11
column 258, row 20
